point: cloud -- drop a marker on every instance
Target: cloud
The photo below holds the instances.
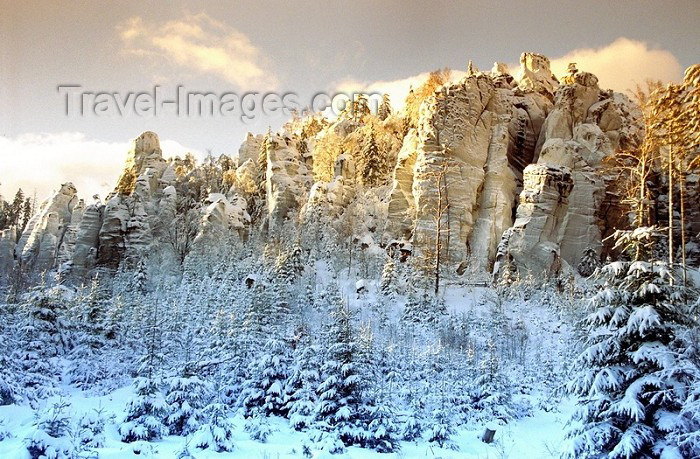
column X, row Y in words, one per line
column 397, row 89
column 42, row 162
column 202, row 44
column 622, row 64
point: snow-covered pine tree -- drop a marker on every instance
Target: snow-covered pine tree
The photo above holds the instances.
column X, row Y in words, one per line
column 441, row 428
column 10, row 391
column 385, row 108
column 217, row 432
column 258, row 318
column 91, row 429
column 423, row 308
column 382, row 431
column 378, row 410
column 186, row 397
column 289, row 266
column 590, row 261
column 52, row 434
column 266, row 389
column 147, row 411
column 88, row 366
column 303, row 379
column 631, row 381
column 42, row 338
column 388, row 282
column 492, row 392
column 413, row 423
column 689, row 438
column 340, row 394
column 372, row 164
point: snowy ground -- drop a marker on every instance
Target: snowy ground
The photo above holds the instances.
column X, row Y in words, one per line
column 539, row 436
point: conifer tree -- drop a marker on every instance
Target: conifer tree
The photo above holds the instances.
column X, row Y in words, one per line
column 630, row 381
column 301, row 385
column 217, row 432
column 385, row 108
column 42, row 339
column 186, row 397
column 340, row 394
column 372, row 163
column 589, row 263
column 10, row 391
column 387, row 284
column 266, row 389
column 88, row 359
column 147, row 411
column 52, row 434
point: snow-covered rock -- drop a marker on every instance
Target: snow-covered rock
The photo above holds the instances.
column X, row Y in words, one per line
column 222, row 218
column 87, row 240
column 8, row 237
column 532, row 243
column 474, row 136
column 38, row 246
column 287, row 181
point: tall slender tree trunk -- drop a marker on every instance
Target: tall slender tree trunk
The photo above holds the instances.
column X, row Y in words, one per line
column 681, row 189
column 438, row 231
column 642, row 194
column 670, row 209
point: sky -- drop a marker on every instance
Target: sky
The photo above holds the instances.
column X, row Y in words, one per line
column 302, row 47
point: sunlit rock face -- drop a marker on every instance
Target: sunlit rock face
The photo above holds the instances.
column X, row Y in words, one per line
column 87, row 240
column 585, row 125
column 125, row 226
column 483, row 132
column 473, row 140
column 38, row 247
column 223, row 221
column 287, row 181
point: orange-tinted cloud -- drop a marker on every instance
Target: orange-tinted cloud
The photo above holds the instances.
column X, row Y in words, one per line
column 622, row 64
column 201, row 44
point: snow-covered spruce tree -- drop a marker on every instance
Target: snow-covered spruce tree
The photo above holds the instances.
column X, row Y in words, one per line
column 42, row 339
column 91, row 429
column 413, row 423
column 217, row 432
column 10, row 391
column 589, row 262
column 423, row 308
column 52, row 434
column 289, row 266
column 146, row 412
column 378, row 410
column 266, row 389
column 387, row 285
column 631, row 381
column 88, row 366
column 186, row 397
column 340, row 392
column 372, row 163
column 492, row 391
column 303, row 379
column 186, row 393
column 258, row 318
column 442, row 429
